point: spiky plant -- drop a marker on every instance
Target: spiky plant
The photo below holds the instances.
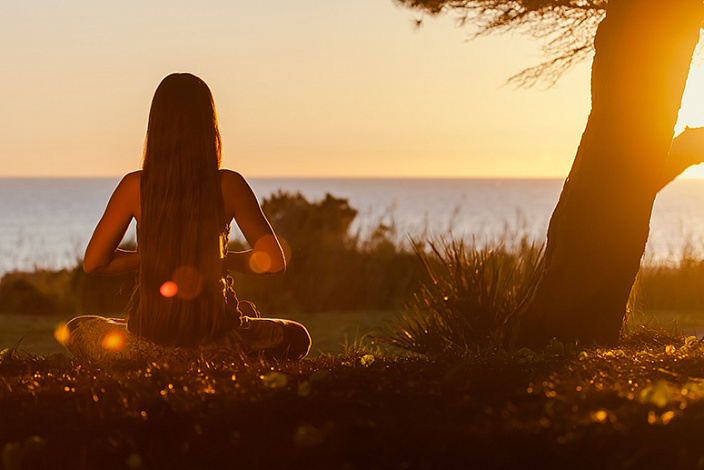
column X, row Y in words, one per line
column 467, row 297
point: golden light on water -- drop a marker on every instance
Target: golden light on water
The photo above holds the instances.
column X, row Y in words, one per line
column 114, row 340
column 62, row 333
column 168, row 289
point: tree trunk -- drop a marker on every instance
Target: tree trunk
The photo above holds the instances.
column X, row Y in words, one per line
column 599, row 229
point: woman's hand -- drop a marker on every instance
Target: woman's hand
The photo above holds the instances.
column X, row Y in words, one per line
column 265, row 258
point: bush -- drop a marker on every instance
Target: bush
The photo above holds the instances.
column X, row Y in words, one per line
column 103, row 295
column 330, row 269
column 38, row 293
column 466, row 298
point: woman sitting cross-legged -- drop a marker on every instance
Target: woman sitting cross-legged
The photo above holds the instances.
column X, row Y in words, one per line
column 183, row 204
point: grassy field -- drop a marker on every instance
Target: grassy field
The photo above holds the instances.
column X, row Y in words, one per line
column 330, row 331
column 638, row 406
column 688, row 322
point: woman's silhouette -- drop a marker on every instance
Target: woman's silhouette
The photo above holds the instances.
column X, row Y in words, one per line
column 183, row 204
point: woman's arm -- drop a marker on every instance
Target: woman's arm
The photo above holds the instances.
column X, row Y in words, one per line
column 266, row 255
column 102, row 254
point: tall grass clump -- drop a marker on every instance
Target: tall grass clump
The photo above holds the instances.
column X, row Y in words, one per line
column 676, row 286
column 466, row 298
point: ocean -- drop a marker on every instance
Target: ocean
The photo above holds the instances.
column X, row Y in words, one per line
column 47, row 222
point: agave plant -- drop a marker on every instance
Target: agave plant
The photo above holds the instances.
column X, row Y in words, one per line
column 467, row 297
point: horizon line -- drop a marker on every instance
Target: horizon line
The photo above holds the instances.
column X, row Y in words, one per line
column 487, row 177
column 339, row 177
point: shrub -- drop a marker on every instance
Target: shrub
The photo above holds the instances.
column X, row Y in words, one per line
column 329, row 269
column 38, row 293
column 466, row 298
column 307, row 225
column 102, row 295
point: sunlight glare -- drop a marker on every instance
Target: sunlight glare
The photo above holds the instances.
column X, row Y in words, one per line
column 696, row 171
column 599, row 416
column 285, row 248
column 692, row 110
column 114, row 340
column 168, row 289
column 62, row 333
column 260, row 262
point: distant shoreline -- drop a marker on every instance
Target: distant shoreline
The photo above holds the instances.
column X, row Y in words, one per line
column 304, row 178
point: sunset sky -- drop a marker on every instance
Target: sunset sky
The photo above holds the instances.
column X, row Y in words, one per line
column 303, row 88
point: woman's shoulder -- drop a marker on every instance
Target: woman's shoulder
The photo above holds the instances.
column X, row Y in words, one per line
column 132, row 179
column 235, row 191
column 231, row 177
column 233, row 182
column 127, row 192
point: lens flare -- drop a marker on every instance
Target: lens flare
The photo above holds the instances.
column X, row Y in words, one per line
column 114, row 340
column 168, row 289
column 285, row 248
column 189, row 281
column 600, row 416
column 260, row 262
column 62, row 333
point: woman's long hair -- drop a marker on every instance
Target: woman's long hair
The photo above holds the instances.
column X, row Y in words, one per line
column 181, row 300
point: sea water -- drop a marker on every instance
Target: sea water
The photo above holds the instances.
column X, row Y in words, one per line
column 47, row 222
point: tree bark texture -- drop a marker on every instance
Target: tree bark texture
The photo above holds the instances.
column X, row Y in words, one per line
column 599, row 229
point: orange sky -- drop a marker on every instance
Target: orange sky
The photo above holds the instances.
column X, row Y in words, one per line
column 303, row 88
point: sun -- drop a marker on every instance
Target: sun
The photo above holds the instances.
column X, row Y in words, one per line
column 692, row 109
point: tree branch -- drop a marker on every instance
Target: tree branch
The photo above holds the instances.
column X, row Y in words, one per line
column 566, row 27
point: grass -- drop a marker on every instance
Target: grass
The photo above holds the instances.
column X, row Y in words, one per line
column 330, row 331
column 466, row 297
column 640, row 406
column 356, row 406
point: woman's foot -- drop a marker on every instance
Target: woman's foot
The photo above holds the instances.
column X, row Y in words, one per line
column 100, row 340
column 282, row 339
